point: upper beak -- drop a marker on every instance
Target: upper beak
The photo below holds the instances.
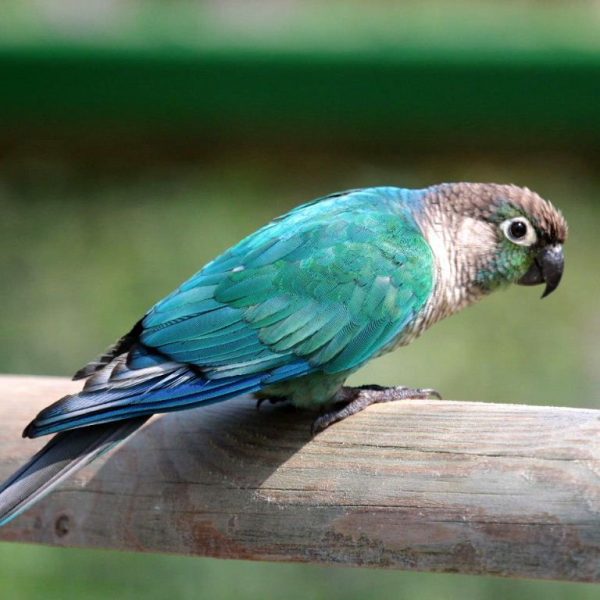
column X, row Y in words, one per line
column 547, row 268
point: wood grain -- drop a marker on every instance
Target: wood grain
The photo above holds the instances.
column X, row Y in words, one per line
column 428, row 485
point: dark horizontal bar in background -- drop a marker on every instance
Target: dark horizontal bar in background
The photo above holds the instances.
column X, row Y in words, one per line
column 434, row 97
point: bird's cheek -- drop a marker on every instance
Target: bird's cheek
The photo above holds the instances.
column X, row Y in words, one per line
column 512, row 265
column 528, row 274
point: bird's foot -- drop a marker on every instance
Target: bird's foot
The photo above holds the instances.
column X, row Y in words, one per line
column 350, row 400
column 270, row 400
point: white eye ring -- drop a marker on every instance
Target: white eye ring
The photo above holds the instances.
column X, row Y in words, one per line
column 519, row 231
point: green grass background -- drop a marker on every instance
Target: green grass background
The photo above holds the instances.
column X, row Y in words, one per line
column 86, row 248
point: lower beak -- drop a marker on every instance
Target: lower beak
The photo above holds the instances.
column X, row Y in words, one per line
column 547, row 268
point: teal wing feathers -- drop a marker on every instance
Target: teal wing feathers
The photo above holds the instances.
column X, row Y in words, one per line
column 331, row 284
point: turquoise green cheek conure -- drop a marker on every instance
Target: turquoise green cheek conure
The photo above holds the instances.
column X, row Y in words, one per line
column 293, row 309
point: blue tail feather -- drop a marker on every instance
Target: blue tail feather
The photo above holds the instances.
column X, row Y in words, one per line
column 169, row 391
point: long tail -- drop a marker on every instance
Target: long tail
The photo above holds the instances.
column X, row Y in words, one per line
column 64, row 454
column 115, row 401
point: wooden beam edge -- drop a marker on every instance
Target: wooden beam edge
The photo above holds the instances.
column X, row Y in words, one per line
column 442, row 486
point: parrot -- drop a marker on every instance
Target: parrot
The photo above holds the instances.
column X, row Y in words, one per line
column 289, row 312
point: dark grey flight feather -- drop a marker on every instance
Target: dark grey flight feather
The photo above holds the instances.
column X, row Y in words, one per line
column 64, row 454
column 121, row 346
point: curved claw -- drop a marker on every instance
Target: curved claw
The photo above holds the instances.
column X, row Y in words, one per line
column 259, row 401
column 317, row 425
column 271, row 400
column 323, row 421
column 430, row 393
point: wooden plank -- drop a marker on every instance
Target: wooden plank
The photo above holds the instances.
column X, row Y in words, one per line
column 428, row 485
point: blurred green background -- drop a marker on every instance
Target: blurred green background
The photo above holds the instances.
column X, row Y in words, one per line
column 140, row 139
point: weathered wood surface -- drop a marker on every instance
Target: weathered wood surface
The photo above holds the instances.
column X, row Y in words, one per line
column 429, row 485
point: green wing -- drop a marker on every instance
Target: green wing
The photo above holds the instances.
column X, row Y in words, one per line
column 325, row 288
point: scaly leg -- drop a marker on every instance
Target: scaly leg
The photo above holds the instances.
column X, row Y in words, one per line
column 348, row 401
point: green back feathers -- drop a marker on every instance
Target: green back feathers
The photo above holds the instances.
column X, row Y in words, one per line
column 330, row 284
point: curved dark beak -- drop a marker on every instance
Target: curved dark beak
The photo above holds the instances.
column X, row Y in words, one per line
column 546, row 268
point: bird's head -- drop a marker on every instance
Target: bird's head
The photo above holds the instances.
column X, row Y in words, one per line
column 494, row 235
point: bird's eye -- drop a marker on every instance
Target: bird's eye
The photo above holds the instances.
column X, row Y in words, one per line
column 519, row 231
